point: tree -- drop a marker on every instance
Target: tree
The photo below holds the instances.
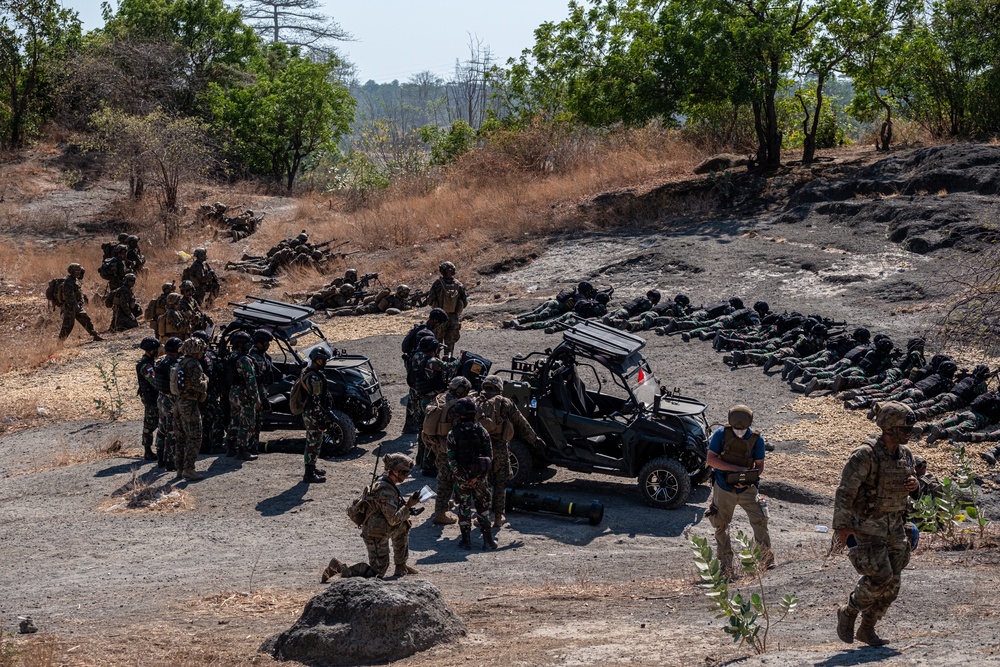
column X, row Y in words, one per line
column 33, row 33
column 467, row 91
column 291, row 110
column 295, row 23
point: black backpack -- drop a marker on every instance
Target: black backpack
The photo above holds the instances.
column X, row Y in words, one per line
column 409, row 344
column 232, row 376
column 162, row 370
column 108, row 268
column 54, row 293
column 717, row 309
column 147, row 392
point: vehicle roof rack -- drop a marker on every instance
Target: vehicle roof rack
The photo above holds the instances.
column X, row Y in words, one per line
column 274, row 313
column 597, row 338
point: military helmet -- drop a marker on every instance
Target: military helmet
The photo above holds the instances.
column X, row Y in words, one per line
column 186, row 285
column 150, row 345
column 303, row 237
column 585, row 288
column 761, row 307
column 120, row 248
column 200, row 253
column 602, row 297
column 807, row 325
column 398, row 463
column 939, row 359
column 351, row 275
column 460, row 385
column 428, row 344
column 220, row 207
column 819, row 330
column 262, row 337
column 74, row 270
column 168, row 288
column 915, row 344
column 736, row 302
column 249, row 212
column 316, row 255
column 346, row 289
column 862, row 335
column 202, row 335
column 493, row 382
column 947, row 368
column 740, row 417
column 653, row 295
column 981, row 370
column 438, row 315
column 403, row 290
column 682, row 300
column 240, row 340
column 122, row 237
column 173, row 344
column 464, row 409
column 445, row 267
column 320, row 353
column 894, row 414
column 173, row 299
column 194, row 347
column 129, row 279
column 133, row 239
column 883, row 344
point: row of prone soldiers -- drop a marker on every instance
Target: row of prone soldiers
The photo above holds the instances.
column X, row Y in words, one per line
column 352, row 295
column 196, row 401
column 295, row 251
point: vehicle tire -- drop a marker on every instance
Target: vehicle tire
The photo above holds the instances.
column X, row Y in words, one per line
column 340, row 435
column 520, row 462
column 664, row 483
column 377, row 423
column 701, row 476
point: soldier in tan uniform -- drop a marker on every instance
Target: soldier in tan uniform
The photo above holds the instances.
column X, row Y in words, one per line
column 502, row 420
column 189, row 386
column 437, row 424
column 73, row 300
column 869, row 511
column 172, row 323
column 449, row 295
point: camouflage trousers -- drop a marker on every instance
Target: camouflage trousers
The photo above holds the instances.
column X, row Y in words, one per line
column 567, row 319
column 472, row 494
column 932, row 407
column 122, row 319
column 647, row 321
column 425, row 452
column 818, row 360
column 71, row 317
column 166, row 437
column 546, row 311
column 882, row 552
column 500, row 475
column 760, row 358
column 212, row 426
column 242, row 419
column 315, row 422
column 893, row 381
column 855, row 378
column 187, row 423
column 150, row 420
column 725, row 503
column 378, row 547
column 412, row 401
column 908, row 396
column 988, row 435
column 451, row 331
column 961, row 422
column 445, row 480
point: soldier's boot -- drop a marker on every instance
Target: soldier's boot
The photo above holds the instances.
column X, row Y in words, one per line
column 707, row 335
column 320, row 472
column 866, row 632
column 159, row 457
column 846, row 616
column 850, row 395
column 839, row 382
column 797, row 387
column 934, row 433
column 332, row 570
column 442, row 518
column 498, row 519
column 771, row 362
column 787, row 366
column 873, row 410
column 466, row 541
column 147, row 448
column 310, row 476
column 918, row 431
column 857, row 404
column 243, row 454
column 489, row 544
column 404, row 569
column 990, row 456
column 191, row 475
column 686, row 337
column 410, row 425
column 719, row 342
column 794, row 372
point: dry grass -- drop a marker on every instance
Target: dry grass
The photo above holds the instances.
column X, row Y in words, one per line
column 241, row 603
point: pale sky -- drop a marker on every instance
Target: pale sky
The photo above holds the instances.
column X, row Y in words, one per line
column 397, row 38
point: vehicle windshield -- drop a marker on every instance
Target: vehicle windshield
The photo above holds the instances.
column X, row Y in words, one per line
column 641, row 381
column 305, row 339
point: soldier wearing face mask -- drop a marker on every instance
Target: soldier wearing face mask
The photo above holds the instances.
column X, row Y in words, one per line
column 736, row 453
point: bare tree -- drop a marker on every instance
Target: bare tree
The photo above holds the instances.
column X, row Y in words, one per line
column 468, row 91
column 295, row 23
column 973, row 316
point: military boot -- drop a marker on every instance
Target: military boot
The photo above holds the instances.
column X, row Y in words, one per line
column 404, row 569
column 787, row 366
column 147, row 448
column 866, row 632
column 159, row 458
column 933, row 434
column 442, row 518
column 771, row 362
column 498, row 519
column 489, row 544
column 332, row 570
column 466, row 541
column 846, row 616
column 191, row 475
column 797, row 387
column 243, row 454
column 310, row 476
column 990, row 456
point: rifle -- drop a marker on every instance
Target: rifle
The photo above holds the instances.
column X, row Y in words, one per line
column 365, row 281
column 320, row 246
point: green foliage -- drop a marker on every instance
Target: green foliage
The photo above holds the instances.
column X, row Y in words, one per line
column 748, row 617
column 448, row 145
column 291, row 110
column 112, row 405
column 953, row 511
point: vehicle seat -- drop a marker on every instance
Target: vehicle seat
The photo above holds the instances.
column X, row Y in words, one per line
column 560, row 392
column 582, row 404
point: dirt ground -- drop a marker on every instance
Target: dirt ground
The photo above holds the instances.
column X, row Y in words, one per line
column 205, row 581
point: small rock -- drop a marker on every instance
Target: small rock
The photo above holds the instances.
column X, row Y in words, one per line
column 26, row 626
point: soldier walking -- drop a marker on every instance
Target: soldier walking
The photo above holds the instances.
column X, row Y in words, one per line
column 189, row 386
column 145, row 371
column 72, row 300
column 449, row 295
column 869, row 510
column 470, row 457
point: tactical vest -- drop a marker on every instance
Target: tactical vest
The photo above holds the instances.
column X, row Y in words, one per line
column 422, row 383
column 233, row 376
column 450, row 296
column 737, row 450
column 147, row 392
column 883, row 491
column 437, row 421
column 469, row 445
column 162, row 370
column 488, row 414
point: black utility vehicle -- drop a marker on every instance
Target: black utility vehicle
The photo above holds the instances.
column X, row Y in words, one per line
column 597, row 407
column 357, row 400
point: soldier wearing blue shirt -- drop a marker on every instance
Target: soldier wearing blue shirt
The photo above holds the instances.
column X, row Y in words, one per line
column 736, row 453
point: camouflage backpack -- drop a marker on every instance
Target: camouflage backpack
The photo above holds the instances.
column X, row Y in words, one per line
column 54, row 293
column 361, row 508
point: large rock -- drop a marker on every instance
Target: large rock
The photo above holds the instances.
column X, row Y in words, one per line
column 363, row 621
column 722, row 162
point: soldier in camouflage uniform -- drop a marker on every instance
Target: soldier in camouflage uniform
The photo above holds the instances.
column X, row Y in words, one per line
column 549, row 309
column 449, row 295
column 502, row 420
column 388, row 520
column 266, row 374
column 72, row 304
column 837, row 349
column 811, row 340
column 660, row 314
column 385, row 301
column 158, row 306
column 738, row 319
column 983, row 411
column 191, row 310
column 201, row 276
column 315, row 414
column 172, row 323
column 634, row 308
column 585, row 309
column 930, row 387
column 871, row 364
column 119, row 268
column 212, row 425
column 869, row 511
column 470, row 456
column 409, row 348
column 189, row 386
column 962, row 394
column 134, row 259
column 124, row 308
column 434, row 432
column 902, row 375
column 145, row 372
column 430, row 377
column 245, row 398
column 166, row 437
